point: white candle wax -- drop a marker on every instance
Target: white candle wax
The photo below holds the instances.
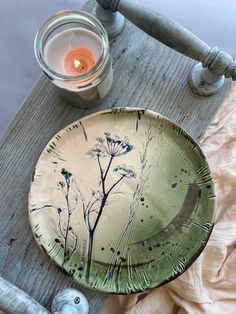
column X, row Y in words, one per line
column 70, row 57
column 61, row 44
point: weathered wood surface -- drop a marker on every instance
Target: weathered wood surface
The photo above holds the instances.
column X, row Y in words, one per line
column 146, row 74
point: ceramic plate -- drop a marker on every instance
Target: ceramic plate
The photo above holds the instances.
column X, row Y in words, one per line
column 122, row 200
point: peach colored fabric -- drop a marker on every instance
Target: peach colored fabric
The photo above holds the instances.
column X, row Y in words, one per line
column 209, row 285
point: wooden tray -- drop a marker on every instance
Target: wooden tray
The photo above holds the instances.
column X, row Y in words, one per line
column 146, row 74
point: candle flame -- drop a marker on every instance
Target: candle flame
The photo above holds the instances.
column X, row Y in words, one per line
column 77, row 64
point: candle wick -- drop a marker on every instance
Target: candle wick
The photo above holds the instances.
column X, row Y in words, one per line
column 77, row 64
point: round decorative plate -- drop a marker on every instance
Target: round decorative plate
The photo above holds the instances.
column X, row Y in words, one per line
column 122, row 200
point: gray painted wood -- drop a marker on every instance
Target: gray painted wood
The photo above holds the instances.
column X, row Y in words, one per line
column 203, row 81
column 15, row 301
column 173, row 35
column 146, row 74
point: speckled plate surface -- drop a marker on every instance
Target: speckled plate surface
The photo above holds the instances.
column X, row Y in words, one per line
column 122, row 200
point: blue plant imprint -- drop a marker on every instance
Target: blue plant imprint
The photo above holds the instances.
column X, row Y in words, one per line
column 68, row 231
column 66, row 234
column 106, row 147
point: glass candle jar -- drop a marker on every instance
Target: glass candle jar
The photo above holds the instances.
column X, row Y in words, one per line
column 72, row 48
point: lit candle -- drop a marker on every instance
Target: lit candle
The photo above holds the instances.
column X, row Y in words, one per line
column 73, row 52
column 76, row 58
column 79, row 61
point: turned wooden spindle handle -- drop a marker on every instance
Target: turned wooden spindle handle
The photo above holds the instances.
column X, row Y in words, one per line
column 174, row 36
column 66, row 301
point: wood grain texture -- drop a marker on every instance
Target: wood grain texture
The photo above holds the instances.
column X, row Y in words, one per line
column 146, row 74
